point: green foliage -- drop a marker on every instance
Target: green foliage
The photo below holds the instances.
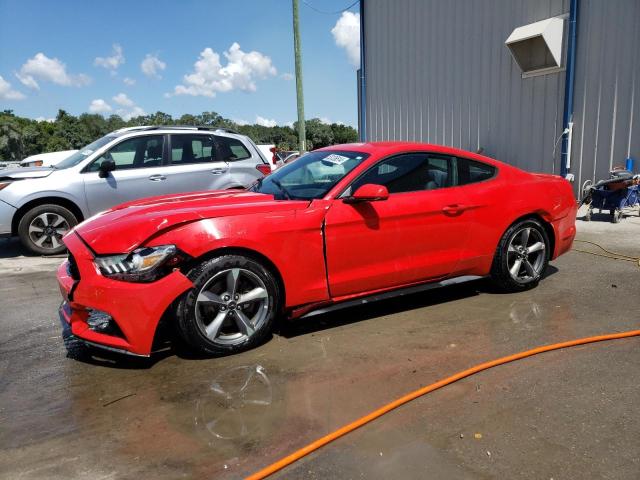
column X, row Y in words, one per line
column 21, row 137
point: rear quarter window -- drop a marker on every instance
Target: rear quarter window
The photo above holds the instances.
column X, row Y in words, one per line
column 472, row 171
column 232, row 149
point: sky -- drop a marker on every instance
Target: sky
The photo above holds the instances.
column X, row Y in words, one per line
column 189, row 56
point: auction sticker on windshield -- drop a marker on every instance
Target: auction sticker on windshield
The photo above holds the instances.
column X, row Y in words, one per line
column 335, row 159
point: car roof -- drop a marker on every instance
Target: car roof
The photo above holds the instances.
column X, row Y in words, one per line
column 389, row 148
column 174, row 129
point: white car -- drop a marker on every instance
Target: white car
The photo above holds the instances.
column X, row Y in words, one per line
column 46, row 159
column 41, row 204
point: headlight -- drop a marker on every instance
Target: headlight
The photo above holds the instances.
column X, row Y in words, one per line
column 142, row 265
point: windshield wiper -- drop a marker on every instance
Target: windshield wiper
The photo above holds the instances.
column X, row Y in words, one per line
column 284, row 191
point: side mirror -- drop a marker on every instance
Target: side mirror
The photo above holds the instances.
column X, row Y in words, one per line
column 368, row 192
column 107, row 165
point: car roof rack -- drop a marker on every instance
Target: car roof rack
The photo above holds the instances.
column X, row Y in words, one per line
column 177, row 127
column 224, row 129
column 132, row 129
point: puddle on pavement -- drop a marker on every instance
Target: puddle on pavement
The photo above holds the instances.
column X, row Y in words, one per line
column 235, row 405
column 229, row 416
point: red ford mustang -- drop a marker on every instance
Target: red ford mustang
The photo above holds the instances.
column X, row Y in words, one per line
column 338, row 224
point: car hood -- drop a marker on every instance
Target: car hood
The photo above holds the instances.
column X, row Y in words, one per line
column 23, row 173
column 125, row 227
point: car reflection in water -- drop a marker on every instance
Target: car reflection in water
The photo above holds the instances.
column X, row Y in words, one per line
column 235, row 404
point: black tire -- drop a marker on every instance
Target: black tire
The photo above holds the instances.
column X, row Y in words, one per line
column 500, row 273
column 48, row 240
column 190, row 324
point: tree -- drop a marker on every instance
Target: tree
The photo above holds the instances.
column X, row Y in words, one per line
column 319, row 134
column 343, row 133
column 21, row 137
column 11, row 140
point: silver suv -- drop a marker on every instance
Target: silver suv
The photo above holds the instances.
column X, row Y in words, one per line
column 41, row 204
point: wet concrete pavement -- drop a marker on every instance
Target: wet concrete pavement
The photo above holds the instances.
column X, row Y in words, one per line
column 565, row 414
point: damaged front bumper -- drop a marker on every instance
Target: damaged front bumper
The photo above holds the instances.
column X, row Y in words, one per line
column 71, row 341
column 111, row 314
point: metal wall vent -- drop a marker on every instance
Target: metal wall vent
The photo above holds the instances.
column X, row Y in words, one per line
column 537, row 47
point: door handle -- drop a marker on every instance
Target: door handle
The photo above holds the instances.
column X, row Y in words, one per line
column 157, row 178
column 218, row 171
column 454, row 209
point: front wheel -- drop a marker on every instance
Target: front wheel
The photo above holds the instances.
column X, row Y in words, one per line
column 521, row 257
column 41, row 229
column 231, row 308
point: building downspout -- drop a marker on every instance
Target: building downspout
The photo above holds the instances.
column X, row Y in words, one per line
column 363, row 86
column 567, row 117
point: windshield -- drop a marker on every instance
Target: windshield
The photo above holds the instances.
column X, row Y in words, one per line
column 310, row 176
column 84, row 152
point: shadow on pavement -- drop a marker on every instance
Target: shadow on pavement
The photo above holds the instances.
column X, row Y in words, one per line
column 12, row 248
column 391, row 306
column 168, row 343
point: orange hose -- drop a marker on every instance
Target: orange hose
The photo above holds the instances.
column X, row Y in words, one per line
column 289, row 459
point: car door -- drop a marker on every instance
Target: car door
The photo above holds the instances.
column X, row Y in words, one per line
column 194, row 165
column 138, row 173
column 417, row 234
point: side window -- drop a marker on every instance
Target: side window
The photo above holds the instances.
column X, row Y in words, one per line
column 471, row 171
column 139, row 152
column 187, row 149
column 411, row 172
column 232, row 149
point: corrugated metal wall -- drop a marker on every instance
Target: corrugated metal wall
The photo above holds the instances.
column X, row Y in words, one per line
column 438, row 71
column 607, row 95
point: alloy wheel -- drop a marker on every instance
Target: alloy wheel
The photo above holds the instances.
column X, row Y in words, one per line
column 526, row 255
column 232, row 306
column 47, row 229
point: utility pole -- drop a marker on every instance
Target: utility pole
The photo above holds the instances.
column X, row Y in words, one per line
column 302, row 134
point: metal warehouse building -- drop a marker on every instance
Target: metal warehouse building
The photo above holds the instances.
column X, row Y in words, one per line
column 508, row 77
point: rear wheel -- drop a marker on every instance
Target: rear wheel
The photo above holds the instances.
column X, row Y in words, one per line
column 231, row 308
column 521, row 257
column 41, row 229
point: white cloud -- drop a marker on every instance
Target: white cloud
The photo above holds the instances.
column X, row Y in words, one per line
column 328, row 121
column 27, row 81
column 240, row 121
column 43, row 119
column 122, row 100
column 265, row 122
column 152, row 65
column 287, row 76
column 99, row 106
column 129, row 114
column 346, row 34
column 8, row 93
column 129, row 81
column 113, row 62
column 129, row 108
column 48, row 69
column 240, row 72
